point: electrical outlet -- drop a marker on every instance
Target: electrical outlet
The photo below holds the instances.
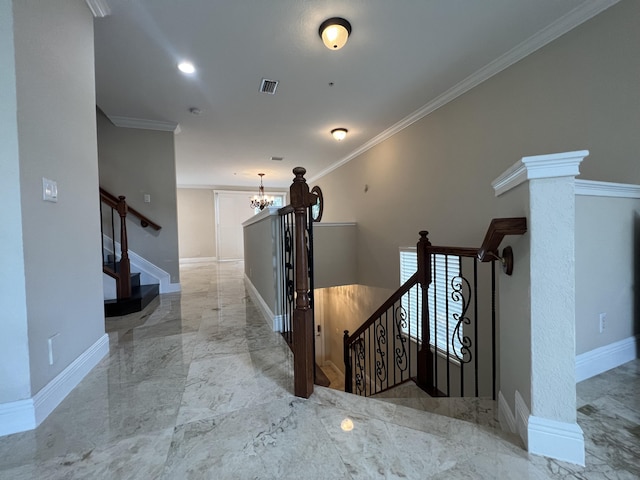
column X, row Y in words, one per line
column 602, row 321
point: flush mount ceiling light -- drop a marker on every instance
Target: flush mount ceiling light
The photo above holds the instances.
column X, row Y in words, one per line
column 186, row 67
column 335, row 32
column 339, row 133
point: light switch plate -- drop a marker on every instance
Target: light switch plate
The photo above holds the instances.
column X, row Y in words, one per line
column 49, row 190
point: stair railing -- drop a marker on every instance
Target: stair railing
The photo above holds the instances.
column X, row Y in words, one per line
column 438, row 329
column 120, row 270
column 296, row 224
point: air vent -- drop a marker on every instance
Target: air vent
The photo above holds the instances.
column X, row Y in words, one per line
column 268, row 86
column 277, row 159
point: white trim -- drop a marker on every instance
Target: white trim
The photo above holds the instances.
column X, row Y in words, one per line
column 575, row 17
column 599, row 360
column 17, row 417
column 505, row 415
column 330, row 364
column 28, row 414
column 186, row 260
column 264, row 214
column 607, row 189
column 560, row 440
column 522, row 419
column 144, row 124
column 274, row 321
column 145, row 267
column 345, row 224
column 99, row 8
column 564, row 164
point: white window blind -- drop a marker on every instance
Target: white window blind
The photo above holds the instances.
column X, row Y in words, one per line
column 442, row 305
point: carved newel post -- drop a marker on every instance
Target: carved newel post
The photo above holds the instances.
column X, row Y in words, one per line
column 304, row 361
column 124, row 270
column 425, row 356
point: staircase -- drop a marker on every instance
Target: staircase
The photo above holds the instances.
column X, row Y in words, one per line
column 438, row 329
column 131, row 296
column 141, row 296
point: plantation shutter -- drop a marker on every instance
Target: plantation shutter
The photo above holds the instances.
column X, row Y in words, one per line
column 442, row 305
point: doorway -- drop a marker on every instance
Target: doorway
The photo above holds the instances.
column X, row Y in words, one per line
column 231, row 209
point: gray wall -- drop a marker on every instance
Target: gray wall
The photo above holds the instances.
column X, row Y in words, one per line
column 606, row 243
column 335, row 254
column 261, row 243
column 55, row 123
column 579, row 92
column 134, row 162
column 14, row 348
column 196, row 223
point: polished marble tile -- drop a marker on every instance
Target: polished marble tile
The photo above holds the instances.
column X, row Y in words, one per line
column 197, row 386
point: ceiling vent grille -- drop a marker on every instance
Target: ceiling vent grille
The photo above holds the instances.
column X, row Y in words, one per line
column 268, row 86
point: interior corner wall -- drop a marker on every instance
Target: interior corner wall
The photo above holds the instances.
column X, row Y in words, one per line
column 134, row 163
column 196, row 223
column 55, row 83
column 14, row 342
column 578, row 92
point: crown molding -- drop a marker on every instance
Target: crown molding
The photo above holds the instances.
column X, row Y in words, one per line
column 607, row 189
column 99, row 8
column 130, row 122
column 564, row 164
column 575, row 17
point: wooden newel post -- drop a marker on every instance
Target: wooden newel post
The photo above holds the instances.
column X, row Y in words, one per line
column 124, row 270
column 348, row 373
column 425, row 356
column 303, row 339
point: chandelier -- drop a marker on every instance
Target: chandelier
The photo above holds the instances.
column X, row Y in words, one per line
column 260, row 201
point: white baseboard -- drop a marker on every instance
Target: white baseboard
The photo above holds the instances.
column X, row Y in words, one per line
column 514, row 423
column 522, row 419
column 332, row 365
column 28, row 414
column 188, row 260
column 559, row 440
column 505, row 415
column 274, row 321
column 595, row 362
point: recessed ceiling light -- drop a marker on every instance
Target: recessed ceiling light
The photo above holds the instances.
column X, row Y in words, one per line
column 186, row 67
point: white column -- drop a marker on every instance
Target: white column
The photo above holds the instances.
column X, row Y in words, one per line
column 551, row 428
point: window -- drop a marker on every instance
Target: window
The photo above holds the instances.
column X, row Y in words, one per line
column 278, row 201
column 444, row 305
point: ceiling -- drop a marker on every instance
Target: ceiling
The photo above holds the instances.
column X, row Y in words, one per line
column 403, row 59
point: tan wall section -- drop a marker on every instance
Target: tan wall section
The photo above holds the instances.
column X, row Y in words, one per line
column 579, row 92
column 196, row 223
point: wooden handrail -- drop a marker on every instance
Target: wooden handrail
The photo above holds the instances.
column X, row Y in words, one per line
column 498, row 229
column 113, row 201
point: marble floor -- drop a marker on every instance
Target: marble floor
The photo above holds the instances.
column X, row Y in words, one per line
column 197, row 387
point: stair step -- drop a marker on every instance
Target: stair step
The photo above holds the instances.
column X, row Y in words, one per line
column 141, row 296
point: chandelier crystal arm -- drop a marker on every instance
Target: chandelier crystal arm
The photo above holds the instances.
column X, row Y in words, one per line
column 261, row 200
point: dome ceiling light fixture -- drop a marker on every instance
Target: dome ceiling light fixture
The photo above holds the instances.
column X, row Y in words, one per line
column 187, row 67
column 339, row 133
column 335, row 32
